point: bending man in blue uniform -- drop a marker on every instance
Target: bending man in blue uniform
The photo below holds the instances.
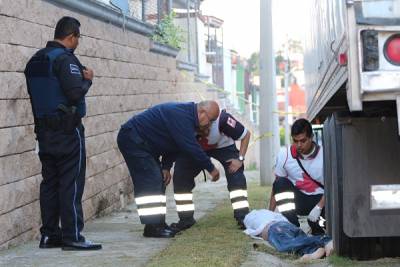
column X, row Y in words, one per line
column 57, row 84
column 219, row 142
column 162, row 131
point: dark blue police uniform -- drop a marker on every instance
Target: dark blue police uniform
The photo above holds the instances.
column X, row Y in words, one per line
column 163, row 131
column 57, row 92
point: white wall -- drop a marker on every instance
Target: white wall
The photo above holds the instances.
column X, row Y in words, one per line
column 227, row 70
column 201, row 40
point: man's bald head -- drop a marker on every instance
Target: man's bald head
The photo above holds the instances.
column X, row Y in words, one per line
column 207, row 111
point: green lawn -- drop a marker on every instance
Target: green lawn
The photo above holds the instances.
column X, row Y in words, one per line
column 215, row 240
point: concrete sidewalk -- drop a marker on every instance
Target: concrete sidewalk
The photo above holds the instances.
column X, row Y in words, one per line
column 120, row 233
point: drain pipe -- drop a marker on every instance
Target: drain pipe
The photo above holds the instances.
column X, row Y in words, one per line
column 106, row 14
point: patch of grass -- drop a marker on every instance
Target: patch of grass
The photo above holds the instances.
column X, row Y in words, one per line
column 338, row 261
column 258, row 196
column 215, row 239
column 341, row 261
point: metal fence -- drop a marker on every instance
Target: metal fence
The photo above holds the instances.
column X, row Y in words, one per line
column 151, row 12
column 148, row 11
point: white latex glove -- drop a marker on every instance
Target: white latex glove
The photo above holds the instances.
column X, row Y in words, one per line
column 314, row 213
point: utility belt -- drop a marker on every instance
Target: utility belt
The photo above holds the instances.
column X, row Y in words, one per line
column 67, row 121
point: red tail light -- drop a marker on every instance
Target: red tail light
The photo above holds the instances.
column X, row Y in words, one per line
column 342, row 59
column 392, row 49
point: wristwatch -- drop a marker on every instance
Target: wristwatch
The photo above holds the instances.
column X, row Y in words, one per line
column 241, row 158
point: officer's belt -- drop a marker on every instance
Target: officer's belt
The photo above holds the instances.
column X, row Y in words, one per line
column 53, row 123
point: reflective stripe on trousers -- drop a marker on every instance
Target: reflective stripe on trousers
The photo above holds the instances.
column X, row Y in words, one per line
column 285, row 201
column 151, row 205
column 239, row 199
column 184, row 202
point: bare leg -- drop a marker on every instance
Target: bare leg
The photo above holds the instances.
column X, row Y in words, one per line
column 319, row 253
column 264, row 233
column 329, row 248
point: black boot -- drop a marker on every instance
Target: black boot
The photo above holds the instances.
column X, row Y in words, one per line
column 182, row 224
column 157, row 230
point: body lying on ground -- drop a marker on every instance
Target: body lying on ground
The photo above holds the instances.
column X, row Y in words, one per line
column 285, row 236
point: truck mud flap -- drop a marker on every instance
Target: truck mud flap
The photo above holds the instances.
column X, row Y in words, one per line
column 357, row 231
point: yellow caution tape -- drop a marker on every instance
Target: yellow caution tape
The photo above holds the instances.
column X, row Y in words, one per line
column 260, row 137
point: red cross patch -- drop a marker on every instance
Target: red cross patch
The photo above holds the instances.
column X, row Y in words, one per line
column 231, row 122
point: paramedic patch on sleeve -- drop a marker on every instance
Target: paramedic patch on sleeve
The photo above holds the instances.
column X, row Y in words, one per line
column 229, row 126
column 74, row 69
column 231, row 122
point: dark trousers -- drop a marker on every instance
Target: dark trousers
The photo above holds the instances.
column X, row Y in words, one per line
column 146, row 174
column 63, row 158
column 186, row 169
column 304, row 203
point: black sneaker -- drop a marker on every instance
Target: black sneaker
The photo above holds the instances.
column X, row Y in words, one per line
column 182, row 225
column 170, row 229
column 157, row 230
column 50, row 242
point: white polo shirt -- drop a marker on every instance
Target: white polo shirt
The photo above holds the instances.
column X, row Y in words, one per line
column 287, row 166
column 223, row 132
column 256, row 221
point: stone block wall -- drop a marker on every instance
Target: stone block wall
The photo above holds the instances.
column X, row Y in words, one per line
column 128, row 79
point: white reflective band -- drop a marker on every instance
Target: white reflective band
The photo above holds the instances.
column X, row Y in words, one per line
column 179, row 197
column 240, row 205
column 286, row 207
column 238, row 193
column 321, row 221
column 152, row 211
column 150, row 199
column 284, row 195
column 185, row 207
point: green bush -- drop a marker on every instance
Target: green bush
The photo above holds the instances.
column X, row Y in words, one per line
column 168, row 33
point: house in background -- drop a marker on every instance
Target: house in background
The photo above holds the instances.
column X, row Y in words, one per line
column 202, row 51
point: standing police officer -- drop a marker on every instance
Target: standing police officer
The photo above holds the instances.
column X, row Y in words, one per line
column 57, row 84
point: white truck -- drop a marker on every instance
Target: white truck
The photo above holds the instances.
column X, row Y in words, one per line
column 352, row 69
